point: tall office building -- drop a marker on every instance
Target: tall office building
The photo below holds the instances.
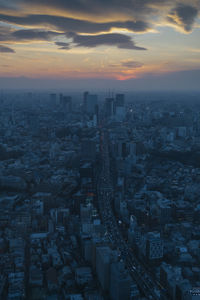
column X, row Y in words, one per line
column 120, row 283
column 119, row 107
column 66, row 103
column 90, row 103
column 103, row 255
column 104, row 258
column 170, row 277
column 109, row 107
column 120, row 100
column 154, row 246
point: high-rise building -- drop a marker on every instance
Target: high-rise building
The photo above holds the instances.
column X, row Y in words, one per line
column 119, row 282
column 170, row 277
column 103, row 266
column 185, row 291
column 66, row 103
column 119, row 107
column 120, row 100
column 109, row 107
column 154, row 246
column 90, row 103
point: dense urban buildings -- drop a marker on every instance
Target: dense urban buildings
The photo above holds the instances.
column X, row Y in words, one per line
column 99, row 196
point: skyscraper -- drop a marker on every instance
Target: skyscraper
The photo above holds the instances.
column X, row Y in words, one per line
column 66, row 103
column 119, row 107
column 109, row 107
column 119, row 282
column 90, row 103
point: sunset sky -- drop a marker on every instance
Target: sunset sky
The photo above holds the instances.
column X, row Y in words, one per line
column 109, row 39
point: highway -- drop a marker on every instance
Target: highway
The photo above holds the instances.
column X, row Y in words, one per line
column 140, row 275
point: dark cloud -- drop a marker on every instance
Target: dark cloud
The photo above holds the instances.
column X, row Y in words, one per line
column 74, row 25
column 133, row 15
column 140, row 13
column 5, row 31
column 63, row 46
column 131, row 64
column 111, row 39
column 91, row 7
column 90, row 41
column 4, row 49
column 28, row 35
column 37, row 35
column 183, row 16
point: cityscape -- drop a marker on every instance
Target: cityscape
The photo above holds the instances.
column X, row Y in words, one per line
column 99, row 150
column 99, row 197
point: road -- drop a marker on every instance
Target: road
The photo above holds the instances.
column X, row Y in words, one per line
column 140, row 275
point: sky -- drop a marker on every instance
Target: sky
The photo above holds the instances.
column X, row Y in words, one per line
column 129, row 43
